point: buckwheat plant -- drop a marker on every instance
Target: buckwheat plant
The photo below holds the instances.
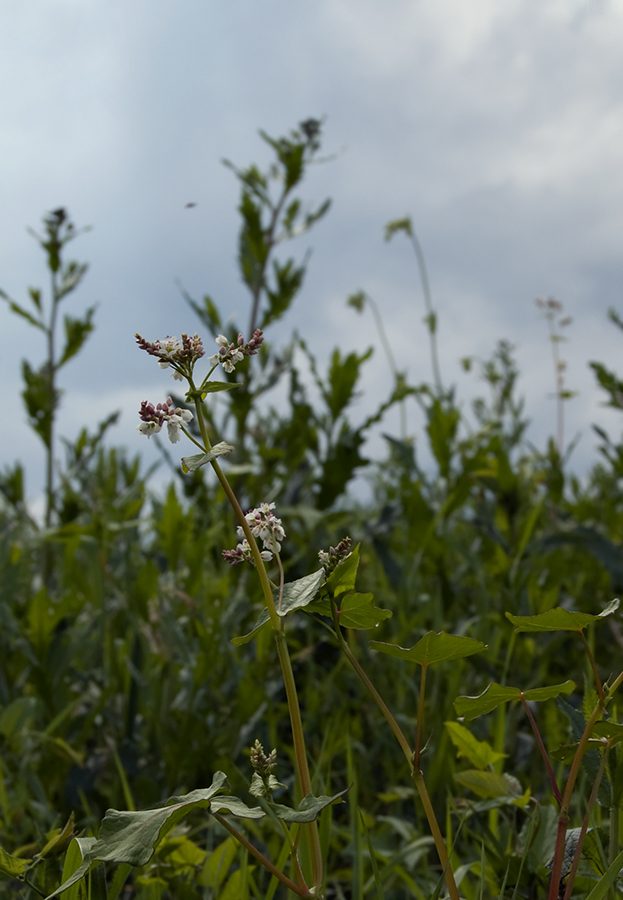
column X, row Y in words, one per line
column 130, row 838
column 259, row 525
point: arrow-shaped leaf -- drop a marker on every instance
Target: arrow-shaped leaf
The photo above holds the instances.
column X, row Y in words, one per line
column 192, row 463
column 132, row 836
column 296, row 595
column 560, row 619
column 308, row 809
column 433, row 648
column 497, row 694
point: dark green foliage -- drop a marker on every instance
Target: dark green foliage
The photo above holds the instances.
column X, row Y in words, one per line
column 119, row 682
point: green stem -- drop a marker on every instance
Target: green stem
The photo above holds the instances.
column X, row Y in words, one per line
column 416, row 774
column 591, row 659
column 430, row 312
column 301, row 891
column 420, row 720
column 298, row 736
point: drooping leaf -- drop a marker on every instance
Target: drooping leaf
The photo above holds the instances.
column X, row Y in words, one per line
column 433, row 648
column 308, row 809
column 192, row 463
column 479, row 753
column 132, row 836
column 357, row 611
column 496, row 694
column 560, row 619
column 296, row 595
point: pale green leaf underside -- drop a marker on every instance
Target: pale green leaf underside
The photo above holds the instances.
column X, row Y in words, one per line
column 296, row 595
column 192, row 463
column 308, row 809
column 131, row 836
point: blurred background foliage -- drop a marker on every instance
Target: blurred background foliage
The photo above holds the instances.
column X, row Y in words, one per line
column 119, row 685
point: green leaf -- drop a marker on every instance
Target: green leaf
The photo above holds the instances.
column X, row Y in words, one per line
column 479, row 753
column 609, row 730
column 132, row 836
column 76, row 333
column 607, row 880
column 560, row 619
column 490, row 784
column 433, row 648
column 12, row 865
column 342, row 578
column 296, row 595
column 73, row 859
column 20, row 311
column 308, row 809
column 497, row 694
column 192, row 463
column 357, row 611
column 213, row 387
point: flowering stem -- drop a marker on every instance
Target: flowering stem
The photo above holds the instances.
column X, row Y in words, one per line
column 296, row 722
column 297, row 889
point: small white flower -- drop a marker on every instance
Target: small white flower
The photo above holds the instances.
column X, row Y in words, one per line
column 222, row 341
column 149, row 428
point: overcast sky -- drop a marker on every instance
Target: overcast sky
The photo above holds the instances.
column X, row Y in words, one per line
column 498, row 126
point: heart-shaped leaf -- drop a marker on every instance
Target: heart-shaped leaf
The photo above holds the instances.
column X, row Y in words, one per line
column 296, row 595
column 132, row 836
column 497, row 694
column 560, row 619
column 433, row 648
column 357, row 611
column 192, row 463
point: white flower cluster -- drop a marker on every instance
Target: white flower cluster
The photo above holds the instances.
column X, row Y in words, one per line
column 230, row 354
column 154, row 417
column 265, row 526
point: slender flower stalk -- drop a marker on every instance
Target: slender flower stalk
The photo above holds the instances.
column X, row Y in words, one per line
column 298, row 736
